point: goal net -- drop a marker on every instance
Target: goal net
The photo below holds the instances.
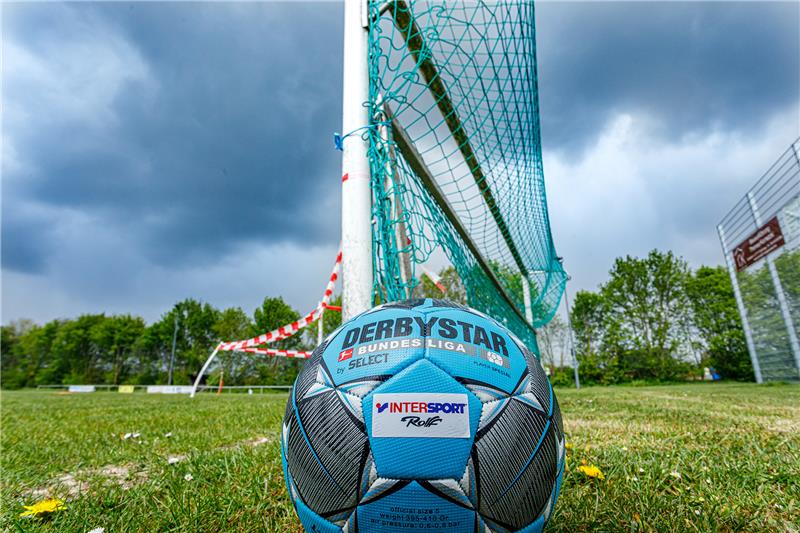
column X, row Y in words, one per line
column 455, row 156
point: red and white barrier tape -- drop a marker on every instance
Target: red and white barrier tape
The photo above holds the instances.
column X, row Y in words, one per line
column 288, row 330
column 434, row 278
column 279, row 353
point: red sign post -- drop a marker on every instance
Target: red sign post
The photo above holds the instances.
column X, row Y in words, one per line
column 758, row 245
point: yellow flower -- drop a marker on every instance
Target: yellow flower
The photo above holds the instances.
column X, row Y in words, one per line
column 44, row 507
column 592, row 471
column 569, row 446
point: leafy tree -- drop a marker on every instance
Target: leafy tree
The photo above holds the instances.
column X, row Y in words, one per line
column 12, row 358
column 331, row 319
column 194, row 341
column 646, row 304
column 553, row 343
column 716, row 317
column 117, row 339
column 274, row 313
column 233, row 324
column 76, row 356
column 599, row 362
column 453, row 287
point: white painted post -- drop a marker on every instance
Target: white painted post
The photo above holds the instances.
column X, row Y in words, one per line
column 572, row 340
column 748, row 334
column 526, row 296
column 776, row 282
column 356, row 192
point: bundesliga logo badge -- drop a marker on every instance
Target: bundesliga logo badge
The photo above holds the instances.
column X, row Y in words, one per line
column 344, row 355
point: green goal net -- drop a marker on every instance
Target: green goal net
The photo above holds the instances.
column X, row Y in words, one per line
column 455, row 156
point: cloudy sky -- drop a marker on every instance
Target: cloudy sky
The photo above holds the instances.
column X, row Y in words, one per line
column 157, row 151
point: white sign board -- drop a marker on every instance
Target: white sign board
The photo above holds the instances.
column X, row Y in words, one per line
column 81, row 388
column 169, row 389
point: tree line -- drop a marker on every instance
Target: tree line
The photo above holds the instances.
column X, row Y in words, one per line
column 123, row 349
column 654, row 319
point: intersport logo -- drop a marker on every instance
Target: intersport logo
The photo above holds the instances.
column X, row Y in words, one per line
column 418, row 414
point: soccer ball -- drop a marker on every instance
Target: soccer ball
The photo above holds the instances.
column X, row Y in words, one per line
column 423, row 415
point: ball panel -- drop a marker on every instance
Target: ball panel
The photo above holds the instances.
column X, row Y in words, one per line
column 376, row 343
column 324, row 449
column 312, row 521
column 539, row 384
column 412, row 507
column 516, row 463
column 421, row 457
column 535, row 527
column 470, row 347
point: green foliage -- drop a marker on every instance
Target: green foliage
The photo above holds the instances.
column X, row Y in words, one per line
column 717, row 320
column 764, row 314
column 331, row 319
column 448, row 278
column 655, row 320
column 274, row 313
column 122, row 349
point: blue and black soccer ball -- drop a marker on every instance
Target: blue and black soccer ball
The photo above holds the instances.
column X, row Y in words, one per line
column 423, row 415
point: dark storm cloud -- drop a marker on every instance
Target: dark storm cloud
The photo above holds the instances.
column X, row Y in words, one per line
column 143, row 141
column 691, row 67
column 217, row 131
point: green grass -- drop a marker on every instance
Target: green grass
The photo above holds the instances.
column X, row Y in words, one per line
column 702, row 457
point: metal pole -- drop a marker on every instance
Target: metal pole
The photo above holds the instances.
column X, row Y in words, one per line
column 356, row 192
column 526, row 296
column 172, row 356
column 776, row 282
column 748, row 335
column 572, row 341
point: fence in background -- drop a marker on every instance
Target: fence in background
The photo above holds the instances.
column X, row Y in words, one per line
column 760, row 238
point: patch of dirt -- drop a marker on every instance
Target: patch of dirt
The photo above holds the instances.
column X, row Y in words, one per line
column 74, row 484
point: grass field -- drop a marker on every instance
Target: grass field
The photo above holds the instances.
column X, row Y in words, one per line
column 704, row 457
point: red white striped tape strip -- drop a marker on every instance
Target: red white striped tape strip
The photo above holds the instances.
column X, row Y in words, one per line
column 288, row 330
column 435, row 279
column 280, row 353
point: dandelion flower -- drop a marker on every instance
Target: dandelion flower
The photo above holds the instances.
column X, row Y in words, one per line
column 44, row 507
column 569, row 446
column 592, row 471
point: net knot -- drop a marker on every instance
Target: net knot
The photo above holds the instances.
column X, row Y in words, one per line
column 338, row 138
